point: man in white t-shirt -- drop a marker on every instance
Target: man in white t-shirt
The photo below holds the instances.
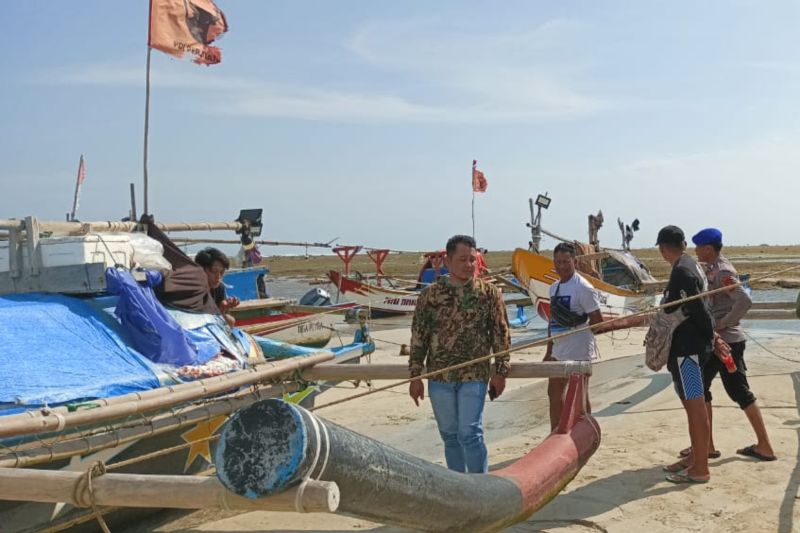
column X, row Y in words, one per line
column 574, row 304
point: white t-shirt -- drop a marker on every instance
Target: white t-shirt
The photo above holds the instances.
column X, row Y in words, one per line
column 580, row 297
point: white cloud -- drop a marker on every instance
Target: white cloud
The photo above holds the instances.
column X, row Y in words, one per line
column 748, row 189
column 468, row 76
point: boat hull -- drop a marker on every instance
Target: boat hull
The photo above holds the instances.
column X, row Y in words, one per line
column 270, row 446
column 537, row 273
column 378, row 299
column 307, row 326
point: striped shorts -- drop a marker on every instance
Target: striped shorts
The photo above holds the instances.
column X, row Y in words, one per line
column 688, row 377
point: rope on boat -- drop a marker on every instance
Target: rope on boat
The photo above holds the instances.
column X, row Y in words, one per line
column 540, row 342
column 83, row 492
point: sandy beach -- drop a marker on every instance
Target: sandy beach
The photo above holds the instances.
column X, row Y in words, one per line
column 622, row 488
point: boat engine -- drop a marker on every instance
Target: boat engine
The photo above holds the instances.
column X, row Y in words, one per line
column 316, row 297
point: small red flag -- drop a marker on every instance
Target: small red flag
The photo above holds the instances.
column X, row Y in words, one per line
column 178, row 27
column 479, row 183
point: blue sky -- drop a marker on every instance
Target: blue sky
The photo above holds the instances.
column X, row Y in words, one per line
column 360, row 120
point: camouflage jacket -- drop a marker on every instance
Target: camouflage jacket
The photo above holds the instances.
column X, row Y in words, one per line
column 456, row 323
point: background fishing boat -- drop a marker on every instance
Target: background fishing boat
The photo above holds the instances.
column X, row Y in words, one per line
column 310, row 322
column 622, row 281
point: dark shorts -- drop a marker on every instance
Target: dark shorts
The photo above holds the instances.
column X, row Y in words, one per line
column 735, row 383
column 687, row 376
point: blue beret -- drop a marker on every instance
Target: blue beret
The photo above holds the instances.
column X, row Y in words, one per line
column 708, row 236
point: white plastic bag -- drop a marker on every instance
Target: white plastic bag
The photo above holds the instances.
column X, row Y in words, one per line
column 148, row 253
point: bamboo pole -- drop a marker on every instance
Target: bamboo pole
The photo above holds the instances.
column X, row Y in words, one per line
column 36, row 453
column 80, row 228
column 185, row 240
column 549, row 369
column 142, row 490
column 46, row 421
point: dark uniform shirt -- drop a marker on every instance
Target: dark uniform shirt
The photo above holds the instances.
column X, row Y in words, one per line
column 696, row 334
column 456, row 323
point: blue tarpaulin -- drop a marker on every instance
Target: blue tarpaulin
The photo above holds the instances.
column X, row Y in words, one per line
column 153, row 331
column 56, row 349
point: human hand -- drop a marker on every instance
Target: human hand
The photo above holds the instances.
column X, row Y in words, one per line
column 496, row 386
column 721, row 348
column 228, row 303
column 416, row 389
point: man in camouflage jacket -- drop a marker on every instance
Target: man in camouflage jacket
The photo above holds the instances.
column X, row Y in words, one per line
column 457, row 319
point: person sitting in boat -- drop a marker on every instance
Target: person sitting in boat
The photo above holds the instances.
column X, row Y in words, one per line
column 458, row 318
column 215, row 263
column 574, row 304
column 481, row 268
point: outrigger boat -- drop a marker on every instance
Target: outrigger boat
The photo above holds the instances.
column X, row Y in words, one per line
column 374, row 296
column 95, row 368
column 624, row 283
column 310, row 323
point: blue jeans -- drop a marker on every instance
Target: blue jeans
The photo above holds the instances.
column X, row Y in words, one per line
column 458, row 408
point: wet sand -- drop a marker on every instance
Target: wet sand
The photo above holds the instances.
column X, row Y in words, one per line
column 622, row 488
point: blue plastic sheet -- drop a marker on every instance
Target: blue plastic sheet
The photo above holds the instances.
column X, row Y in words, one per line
column 55, row 349
column 154, row 333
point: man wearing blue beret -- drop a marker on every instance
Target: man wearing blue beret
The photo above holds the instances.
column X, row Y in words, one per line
column 728, row 308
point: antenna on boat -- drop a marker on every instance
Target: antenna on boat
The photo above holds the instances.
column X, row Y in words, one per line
column 595, row 223
column 542, row 202
column 78, row 183
column 627, row 233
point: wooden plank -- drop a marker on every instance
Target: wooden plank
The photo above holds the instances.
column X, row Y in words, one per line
column 263, row 303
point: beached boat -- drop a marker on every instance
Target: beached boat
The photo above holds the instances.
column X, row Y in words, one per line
column 393, row 300
column 379, row 300
column 623, row 283
column 282, row 319
column 537, row 273
column 113, row 375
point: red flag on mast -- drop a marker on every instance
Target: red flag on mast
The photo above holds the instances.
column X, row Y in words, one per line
column 178, row 27
column 479, row 183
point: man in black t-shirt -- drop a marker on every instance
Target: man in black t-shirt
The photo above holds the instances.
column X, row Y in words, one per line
column 692, row 344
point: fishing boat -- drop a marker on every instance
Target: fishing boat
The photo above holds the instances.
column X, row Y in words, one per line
column 623, row 282
column 96, row 368
column 383, row 296
column 379, row 300
column 310, row 322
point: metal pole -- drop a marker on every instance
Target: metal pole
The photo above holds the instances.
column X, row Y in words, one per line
column 133, row 203
column 146, row 129
column 473, row 213
column 77, row 191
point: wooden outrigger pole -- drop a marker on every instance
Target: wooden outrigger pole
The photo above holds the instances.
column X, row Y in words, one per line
column 157, row 491
column 81, row 228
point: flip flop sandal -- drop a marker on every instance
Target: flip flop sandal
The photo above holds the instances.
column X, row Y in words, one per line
column 681, row 478
column 716, row 454
column 750, row 451
column 674, row 468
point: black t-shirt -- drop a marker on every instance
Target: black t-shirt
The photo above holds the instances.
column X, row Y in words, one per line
column 218, row 294
column 696, row 334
